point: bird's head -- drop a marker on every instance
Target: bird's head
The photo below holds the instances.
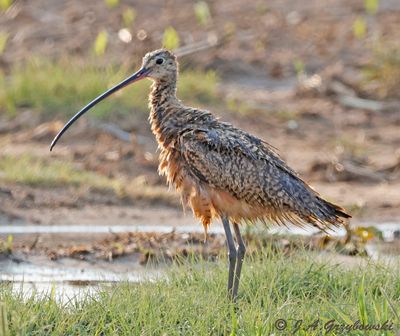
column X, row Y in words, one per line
column 161, row 65
column 157, row 65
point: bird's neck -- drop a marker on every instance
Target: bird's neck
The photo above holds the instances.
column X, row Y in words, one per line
column 164, row 109
column 163, row 90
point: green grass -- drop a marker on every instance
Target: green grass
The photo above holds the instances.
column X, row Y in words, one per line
column 6, row 245
column 49, row 173
column 384, row 71
column 192, row 301
column 35, row 171
column 5, row 4
column 61, row 89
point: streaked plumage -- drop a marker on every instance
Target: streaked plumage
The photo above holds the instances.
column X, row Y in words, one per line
column 221, row 171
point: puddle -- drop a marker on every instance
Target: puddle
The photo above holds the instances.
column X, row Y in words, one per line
column 29, row 272
column 71, row 282
column 62, row 292
column 388, row 229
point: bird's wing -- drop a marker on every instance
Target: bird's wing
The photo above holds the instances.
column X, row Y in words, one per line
column 214, row 150
column 234, row 161
column 263, row 149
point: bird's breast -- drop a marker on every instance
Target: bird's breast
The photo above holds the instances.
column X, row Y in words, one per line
column 206, row 201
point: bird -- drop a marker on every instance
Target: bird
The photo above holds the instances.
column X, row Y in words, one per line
column 220, row 171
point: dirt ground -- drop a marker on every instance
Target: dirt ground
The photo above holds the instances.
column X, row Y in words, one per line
column 349, row 153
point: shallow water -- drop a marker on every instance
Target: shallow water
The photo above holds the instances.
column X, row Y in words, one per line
column 71, row 282
column 29, row 272
column 388, row 229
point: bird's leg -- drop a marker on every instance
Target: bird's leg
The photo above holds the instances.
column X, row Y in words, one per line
column 231, row 254
column 240, row 256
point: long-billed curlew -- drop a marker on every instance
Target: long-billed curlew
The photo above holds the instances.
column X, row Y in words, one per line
column 219, row 170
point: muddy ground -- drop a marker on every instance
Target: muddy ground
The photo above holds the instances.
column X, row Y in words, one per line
column 341, row 134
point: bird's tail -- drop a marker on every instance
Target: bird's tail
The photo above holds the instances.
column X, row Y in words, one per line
column 334, row 209
column 328, row 214
column 309, row 207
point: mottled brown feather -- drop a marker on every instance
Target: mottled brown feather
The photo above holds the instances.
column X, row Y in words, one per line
column 221, row 170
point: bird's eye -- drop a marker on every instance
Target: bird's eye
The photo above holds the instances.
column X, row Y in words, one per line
column 159, row 61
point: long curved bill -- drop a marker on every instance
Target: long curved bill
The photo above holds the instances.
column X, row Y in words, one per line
column 142, row 73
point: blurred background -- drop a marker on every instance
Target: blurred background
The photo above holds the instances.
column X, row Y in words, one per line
column 318, row 80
